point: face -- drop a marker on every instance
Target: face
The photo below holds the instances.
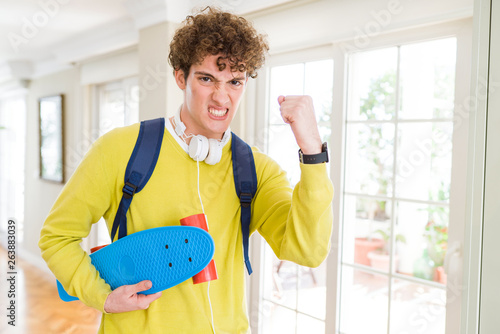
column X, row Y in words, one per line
column 211, row 97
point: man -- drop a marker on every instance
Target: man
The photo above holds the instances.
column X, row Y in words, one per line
column 213, row 55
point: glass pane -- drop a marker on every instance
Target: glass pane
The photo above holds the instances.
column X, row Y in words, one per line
column 365, row 224
column 369, row 158
column 364, row 302
column 277, row 319
column 425, row 230
column 103, row 237
column 417, row 308
column 372, row 85
column 319, row 85
column 308, row 325
column 283, row 149
column 286, row 277
column 112, row 110
column 285, row 80
column 311, row 297
column 281, row 287
column 428, row 79
column 424, row 161
column 131, row 103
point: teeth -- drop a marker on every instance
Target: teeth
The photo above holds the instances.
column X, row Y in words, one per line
column 217, row 112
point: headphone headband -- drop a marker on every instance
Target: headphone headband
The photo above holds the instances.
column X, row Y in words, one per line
column 179, row 126
column 200, row 148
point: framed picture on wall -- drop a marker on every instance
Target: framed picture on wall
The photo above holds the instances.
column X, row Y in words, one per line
column 52, row 138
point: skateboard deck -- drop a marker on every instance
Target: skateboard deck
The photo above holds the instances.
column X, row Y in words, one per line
column 166, row 256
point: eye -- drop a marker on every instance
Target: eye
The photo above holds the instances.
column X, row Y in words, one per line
column 205, row 79
column 236, row 83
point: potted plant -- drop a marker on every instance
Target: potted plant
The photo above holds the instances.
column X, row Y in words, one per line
column 436, row 236
column 363, row 247
column 380, row 258
column 368, row 212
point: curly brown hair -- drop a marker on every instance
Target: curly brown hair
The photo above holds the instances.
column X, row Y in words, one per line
column 214, row 32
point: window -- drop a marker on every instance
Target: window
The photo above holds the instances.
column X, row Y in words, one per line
column 117, row 105
column 397, row 188
column 293, row 296
column 397, row 165
column 12, row 149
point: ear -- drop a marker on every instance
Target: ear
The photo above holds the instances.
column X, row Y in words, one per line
column 180, row 79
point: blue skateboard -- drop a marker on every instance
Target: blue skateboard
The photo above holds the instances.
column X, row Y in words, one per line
column 166, row 256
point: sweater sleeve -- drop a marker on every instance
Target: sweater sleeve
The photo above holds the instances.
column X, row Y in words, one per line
column 82, row 202
column 297, row 223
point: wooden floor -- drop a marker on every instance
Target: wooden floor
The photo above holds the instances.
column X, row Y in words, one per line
column 38, row 307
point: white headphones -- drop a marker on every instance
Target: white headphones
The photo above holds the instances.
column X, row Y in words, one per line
column 201, row 148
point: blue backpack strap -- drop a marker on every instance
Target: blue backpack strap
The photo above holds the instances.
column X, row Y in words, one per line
column 245, row 182
column 140, row 166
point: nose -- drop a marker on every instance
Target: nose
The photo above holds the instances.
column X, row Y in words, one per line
column 220, row 95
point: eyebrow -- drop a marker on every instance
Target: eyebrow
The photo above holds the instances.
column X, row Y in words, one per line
column 211, row 76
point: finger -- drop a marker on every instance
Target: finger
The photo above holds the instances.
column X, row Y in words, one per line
column 143, row 301
column 151, row 298
column 281, row 98
column 286, row 118
column 141, row 286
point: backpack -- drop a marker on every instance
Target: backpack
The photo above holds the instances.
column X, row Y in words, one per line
column 142, row 163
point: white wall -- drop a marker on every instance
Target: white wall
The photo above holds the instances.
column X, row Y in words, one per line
column 39, row 194
column 159, row 92
column 327, row 21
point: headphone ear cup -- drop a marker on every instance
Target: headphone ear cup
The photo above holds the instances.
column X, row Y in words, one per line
column 214, row 152
column 198, row 148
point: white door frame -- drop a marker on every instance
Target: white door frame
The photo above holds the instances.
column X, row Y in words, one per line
column 481, row 302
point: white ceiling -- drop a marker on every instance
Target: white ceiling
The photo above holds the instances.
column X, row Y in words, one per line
column 38, row 35
column 63, row 22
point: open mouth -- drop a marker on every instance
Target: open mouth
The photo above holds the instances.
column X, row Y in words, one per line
column 218, row 112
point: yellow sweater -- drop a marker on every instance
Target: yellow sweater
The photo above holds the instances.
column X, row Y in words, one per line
column 296, row 225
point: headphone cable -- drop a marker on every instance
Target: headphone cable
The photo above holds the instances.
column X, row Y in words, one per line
column 203, row 210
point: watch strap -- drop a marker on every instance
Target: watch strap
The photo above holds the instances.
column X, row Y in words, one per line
column 314, row 158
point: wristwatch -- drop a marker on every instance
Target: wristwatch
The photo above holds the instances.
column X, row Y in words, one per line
column 315, row 158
